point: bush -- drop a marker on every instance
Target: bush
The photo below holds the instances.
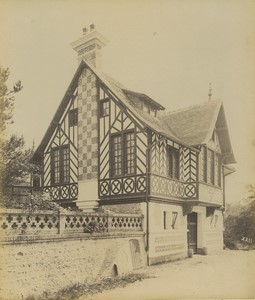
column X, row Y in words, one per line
column 239, row 224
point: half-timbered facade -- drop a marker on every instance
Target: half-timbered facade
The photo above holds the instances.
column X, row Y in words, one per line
column 118, row 149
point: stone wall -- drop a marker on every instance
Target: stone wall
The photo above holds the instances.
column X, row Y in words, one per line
column 47, row 250
column 36, row 267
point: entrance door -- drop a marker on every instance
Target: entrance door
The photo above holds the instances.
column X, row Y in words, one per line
column 192, row 231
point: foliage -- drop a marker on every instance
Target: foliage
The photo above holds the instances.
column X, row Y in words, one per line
column 240, row 223
column 7, row 99
column 15, row 164
column 77, row 290
column 15, row 161
column 31, row 202
column 94, row 226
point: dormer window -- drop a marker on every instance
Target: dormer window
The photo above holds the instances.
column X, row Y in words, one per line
column 73, row 117
column 146, row 107
column 104, row 108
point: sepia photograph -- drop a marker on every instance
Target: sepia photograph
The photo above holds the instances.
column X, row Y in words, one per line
column 127, row 149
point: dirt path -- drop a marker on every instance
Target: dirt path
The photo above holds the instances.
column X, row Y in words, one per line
column 229, row 274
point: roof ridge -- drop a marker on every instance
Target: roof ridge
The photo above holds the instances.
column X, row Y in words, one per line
column 190, row 107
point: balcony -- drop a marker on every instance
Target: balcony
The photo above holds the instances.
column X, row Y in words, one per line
column 160, row 187
column 123, row 186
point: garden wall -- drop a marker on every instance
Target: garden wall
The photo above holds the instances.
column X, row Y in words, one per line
column 34, row 262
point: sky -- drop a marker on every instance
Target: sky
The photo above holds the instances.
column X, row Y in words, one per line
column 170, row 50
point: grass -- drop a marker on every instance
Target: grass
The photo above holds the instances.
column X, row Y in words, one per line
column 76, row 290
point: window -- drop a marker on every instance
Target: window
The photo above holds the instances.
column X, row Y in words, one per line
column 146, row 107
column 123, row 157
column 210, row 166
column 173, row 162
column 60, row 170
column 73, row 117
column 203, row 164
column 116, row 154
column 130, row 153
column 217, row 170
column 104, row 108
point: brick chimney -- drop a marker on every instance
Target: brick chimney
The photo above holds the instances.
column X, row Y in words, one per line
column 89, row 46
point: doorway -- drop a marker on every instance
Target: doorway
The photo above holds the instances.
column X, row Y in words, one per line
column 192, row 231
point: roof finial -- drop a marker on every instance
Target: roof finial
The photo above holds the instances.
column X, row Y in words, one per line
column 210, row 91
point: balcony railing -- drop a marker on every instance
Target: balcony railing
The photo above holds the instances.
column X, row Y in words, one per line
column 136, row 185
column 68, row 191
column 165, row 186
column 123, row 186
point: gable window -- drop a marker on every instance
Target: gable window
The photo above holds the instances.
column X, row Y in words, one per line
column 104, row 108
column 73, row 117
column 60, row 165
column 173, row 162
column 123, row 156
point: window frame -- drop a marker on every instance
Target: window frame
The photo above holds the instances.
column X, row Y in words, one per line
column 203, row 161
column 112, row 156
column 173, row 163
column 124, row 153
column 63, row 179
column 212, row 167
column 73, row 117
column 104, row 111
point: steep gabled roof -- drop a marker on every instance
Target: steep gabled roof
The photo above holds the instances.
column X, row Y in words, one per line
column 195, row 125
column 190, row 127
column 121, row 93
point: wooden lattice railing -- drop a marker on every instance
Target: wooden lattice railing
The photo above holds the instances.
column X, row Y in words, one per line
column 16, row 223
column 168, row 187
column 123, row 186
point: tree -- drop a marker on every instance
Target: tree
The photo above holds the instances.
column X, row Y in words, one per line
column 17, row 161
column 14, row 158
column 7, row 99
column 240, row 222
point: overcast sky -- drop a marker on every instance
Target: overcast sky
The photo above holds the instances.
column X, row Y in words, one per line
column 170, row 50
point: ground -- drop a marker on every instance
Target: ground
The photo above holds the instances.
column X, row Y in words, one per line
column 227, row 274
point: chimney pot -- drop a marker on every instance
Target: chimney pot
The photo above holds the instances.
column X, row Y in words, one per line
column 84, row 30
column 92, row 27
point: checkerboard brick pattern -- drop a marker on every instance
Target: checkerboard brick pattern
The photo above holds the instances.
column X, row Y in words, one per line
column 87, row 126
